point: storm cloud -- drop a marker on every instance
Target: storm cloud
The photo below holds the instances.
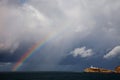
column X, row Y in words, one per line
column 69, row 24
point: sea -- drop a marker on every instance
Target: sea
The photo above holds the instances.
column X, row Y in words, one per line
column 58, row 76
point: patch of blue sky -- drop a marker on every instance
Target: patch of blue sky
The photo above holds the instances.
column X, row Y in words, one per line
column 23, row 1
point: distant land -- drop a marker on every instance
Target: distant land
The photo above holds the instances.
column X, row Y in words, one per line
column 102, row 70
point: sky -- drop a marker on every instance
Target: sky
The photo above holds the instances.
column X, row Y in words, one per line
column 75, row 34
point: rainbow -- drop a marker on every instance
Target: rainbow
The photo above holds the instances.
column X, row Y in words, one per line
column 37, row 46
column 31, row 51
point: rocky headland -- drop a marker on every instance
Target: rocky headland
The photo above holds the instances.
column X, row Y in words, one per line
column 102, row 70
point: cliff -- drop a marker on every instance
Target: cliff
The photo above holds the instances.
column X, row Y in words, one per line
column 102, row 70
column 98, row 70
column 117, row 69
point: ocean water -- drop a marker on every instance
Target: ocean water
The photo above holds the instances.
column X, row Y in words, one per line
column 58, row 76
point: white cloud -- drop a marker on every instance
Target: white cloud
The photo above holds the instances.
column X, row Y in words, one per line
column 19, row 23
column 115, row 52
column 31, row 11
column 82, row 52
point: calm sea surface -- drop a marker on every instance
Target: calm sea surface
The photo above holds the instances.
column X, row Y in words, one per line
column 58, row 76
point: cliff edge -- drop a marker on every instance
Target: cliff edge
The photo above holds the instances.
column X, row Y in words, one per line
column 102, row 70
column 117, row 69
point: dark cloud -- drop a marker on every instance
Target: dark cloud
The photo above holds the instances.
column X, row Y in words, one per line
column 69, row 25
